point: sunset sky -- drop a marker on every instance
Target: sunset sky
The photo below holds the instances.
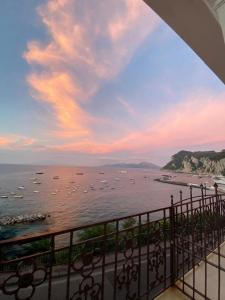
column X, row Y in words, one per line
column 94, row 82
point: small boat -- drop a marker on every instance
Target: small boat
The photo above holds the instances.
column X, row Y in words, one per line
column 4, row 196
column 18, row 196
column 35, row 191
column 85, row 191
column 79, row 173
column 20, row 187
column 53, row 193
column 39, row 173
column 123, row 172
column 12, row 193
column 55, row 177
column 36, row 182
column 166, row 177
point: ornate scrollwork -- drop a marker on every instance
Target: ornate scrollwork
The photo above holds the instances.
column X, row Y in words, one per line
column 129, row 272
column 23, row 283
column 85, row 265
column 156, row 257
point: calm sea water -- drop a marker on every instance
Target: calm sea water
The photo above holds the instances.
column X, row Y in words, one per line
column 74, row 199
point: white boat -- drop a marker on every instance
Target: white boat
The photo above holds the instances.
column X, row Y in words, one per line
column 4, row 196
column 18, row 196
column 21, row 187
column 123, row 172
column 166, row 177
column 35, row 191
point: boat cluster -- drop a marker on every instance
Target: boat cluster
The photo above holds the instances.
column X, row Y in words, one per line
column 7, row 220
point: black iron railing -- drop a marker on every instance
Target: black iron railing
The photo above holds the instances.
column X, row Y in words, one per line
column 124, row 258
column 199, row 235
column 136, row 257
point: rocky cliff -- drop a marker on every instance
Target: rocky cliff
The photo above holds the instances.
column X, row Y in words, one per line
column 210, row 162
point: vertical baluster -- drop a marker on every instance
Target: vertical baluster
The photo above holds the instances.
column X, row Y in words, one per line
column 103, row 250
column 205, row 247
column 116, row 260
column 218, row 216
column 201, row 205
column 164, row 246
column 176, row 218
column 139, row 256
column 181, row 196
column 52, row 258
column 148, row 256
column 69, row 266
column 188, row 234
column 172, row 243
column 182, row 234
column 193, row 242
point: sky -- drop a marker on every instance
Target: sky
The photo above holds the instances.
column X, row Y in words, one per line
column 95, row 82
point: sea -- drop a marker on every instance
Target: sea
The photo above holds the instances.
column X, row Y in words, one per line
column 74, row 196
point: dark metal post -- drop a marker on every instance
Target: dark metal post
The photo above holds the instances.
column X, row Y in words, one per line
column 202, row 192
column 181, row 197
column 192, row 243
column 217, row 220
column 172, row 243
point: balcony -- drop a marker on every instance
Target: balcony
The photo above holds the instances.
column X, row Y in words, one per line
column 176, row 251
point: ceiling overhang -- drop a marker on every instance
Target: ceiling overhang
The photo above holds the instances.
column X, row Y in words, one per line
column 197, row 22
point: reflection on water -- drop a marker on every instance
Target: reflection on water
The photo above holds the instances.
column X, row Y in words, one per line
column 75, row 196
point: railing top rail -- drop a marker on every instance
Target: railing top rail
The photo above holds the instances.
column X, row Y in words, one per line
column 196, row 198
column 41, row 235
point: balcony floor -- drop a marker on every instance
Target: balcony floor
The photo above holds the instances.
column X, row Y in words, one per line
column 211, row 272
column 172, row 293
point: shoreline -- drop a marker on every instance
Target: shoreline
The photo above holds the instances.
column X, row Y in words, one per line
column 180, row 183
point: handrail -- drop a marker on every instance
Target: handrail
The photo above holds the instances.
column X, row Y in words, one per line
column 38, row 235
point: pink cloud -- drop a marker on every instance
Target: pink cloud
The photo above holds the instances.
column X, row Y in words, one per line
column 198, row 120
column 70, row 68
column 16, row 142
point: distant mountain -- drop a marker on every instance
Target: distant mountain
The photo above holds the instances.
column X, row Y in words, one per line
column 141, row 165
column 198, row 162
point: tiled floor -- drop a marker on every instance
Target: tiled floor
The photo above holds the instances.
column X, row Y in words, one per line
column 172, row 294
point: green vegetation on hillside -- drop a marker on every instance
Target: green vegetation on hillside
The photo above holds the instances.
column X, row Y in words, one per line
column 177, row 160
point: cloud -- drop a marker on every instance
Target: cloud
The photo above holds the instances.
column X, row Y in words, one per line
column 198, row 120
column 16, row 142
column 89, row 43
column 127, row 106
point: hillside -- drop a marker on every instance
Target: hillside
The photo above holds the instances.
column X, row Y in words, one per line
column 211, row 162
column 141, row 165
